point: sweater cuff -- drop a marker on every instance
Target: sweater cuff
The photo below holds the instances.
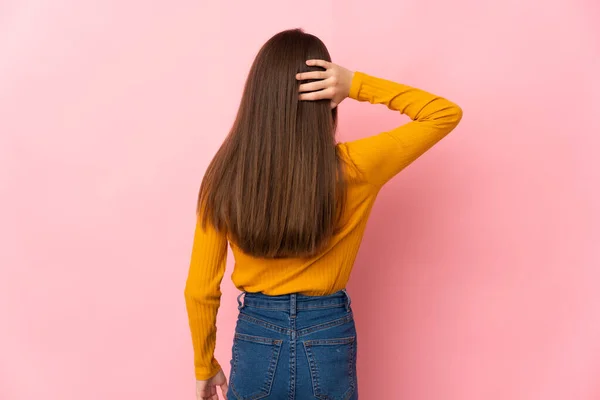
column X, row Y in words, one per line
column 203, row 373
column 357, row 79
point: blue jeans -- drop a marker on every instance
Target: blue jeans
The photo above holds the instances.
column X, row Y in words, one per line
column 294, row 347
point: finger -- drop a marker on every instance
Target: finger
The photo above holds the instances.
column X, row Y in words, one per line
column 215, row 395
column 224, row 389
column 320, row 63
column 319, row 95
column 312, row 75
column 205, row 392
column 311, row 86
column 209, row 396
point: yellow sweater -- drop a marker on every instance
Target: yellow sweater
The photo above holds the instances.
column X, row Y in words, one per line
column 372, row 162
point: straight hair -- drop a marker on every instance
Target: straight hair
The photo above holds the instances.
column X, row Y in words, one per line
column 276, row 184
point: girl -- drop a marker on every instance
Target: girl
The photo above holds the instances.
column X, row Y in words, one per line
column 293, row 204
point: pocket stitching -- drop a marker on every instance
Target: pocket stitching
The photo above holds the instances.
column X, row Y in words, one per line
column 257, row 339
column 330, row 342
column 326, row 325
column 264, row 324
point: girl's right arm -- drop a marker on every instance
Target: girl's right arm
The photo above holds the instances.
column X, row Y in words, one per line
column 380, row 157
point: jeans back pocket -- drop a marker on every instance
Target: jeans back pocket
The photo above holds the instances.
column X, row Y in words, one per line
column 253, row 365
column 332, row 364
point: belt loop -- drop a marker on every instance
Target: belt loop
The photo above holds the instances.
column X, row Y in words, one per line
column 348, row 298
column 240, row 304
column 293, row 305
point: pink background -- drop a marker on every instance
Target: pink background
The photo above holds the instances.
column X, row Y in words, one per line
column 478, row 275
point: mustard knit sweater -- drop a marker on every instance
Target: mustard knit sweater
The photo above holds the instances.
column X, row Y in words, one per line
column 372, row 162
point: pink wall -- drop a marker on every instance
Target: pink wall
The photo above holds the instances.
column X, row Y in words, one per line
column 478, row 274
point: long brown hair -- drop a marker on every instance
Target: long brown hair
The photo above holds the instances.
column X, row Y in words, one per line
column 276, row 184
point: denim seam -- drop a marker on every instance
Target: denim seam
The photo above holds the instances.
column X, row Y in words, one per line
column 264, row 324
column 352, row 387
column 293, row 340
column 234, row 369
column 333, row 305
column 330, row 342
column 300, row 307
column 257, row 339
column 273, row 365
column 326, row 325
column 313, row 370
column 352, row 367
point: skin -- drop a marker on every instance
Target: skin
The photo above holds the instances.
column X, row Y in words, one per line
column 334, row 84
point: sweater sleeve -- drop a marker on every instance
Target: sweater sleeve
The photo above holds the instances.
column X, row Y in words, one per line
column 379, row 157
column 203, row 295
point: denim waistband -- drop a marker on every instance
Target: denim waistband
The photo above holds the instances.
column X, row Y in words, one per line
column 294, row 301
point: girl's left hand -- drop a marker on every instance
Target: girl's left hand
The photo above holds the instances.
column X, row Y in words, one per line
column 207, row 390
column 334, row 83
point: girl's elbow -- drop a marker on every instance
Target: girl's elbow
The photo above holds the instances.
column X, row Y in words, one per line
column 455, row 115
column 458, row 113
